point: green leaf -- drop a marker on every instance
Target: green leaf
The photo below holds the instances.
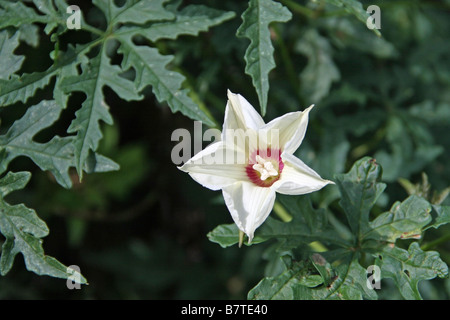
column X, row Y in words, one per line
column 98, row 72
column 15, row 88
column 351, row 283
column 307, row 225
column 23, row 231
column 148, row 63
column 10, row 62
column 408, row 268
column 29, row 33
column 21, row 88
column 15, row 13
column 360, row 189
column 225, row 235
column 97, row 163
column 95, row 75
column 320, row 72
column 346, row 282
column 55, row 155
column 346, row 278
column 191, row 20
column 54, row 14
column 442, row 216
column 165, row 84
column 355, row 8
column 405, row 220
column 151, row 66
column 259, row 54
column 134, row 11
column 283, row 286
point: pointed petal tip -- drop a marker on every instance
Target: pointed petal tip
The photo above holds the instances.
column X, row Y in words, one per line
column 183, row 167
column 309, row 108
column 250, row 236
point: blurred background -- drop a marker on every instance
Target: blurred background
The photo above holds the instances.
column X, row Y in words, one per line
column 140, row 232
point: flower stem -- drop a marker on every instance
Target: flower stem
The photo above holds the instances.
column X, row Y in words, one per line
column 241, row 238
column 432, row 244
column 317, row 246
column 281, row 212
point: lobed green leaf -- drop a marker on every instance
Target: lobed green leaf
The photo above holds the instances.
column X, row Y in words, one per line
column 10, row 62
column 405, row 220
column 360, row 189
column 23, row 231
column 191, row 20
column 95, row 75
column 259, row 54
column 284, row 286
column 408, row 267
column 134, row 11
column 346, row 282
column 56, row 155
column 443, row 216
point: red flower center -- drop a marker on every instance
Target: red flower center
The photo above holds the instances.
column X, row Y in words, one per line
column 264, row 167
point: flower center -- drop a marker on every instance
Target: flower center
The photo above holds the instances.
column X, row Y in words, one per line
column 264, row 167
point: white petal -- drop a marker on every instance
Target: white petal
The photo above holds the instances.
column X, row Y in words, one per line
column 211, row 169
column 291, row 129
column 249, row 205
column 240, row 114
column 297, row 178
column 245, row 141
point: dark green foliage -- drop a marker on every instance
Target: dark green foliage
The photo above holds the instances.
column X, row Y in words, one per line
column 85, row 139
column 360, row 189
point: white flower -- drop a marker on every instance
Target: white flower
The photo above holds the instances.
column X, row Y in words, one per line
column 253, row 161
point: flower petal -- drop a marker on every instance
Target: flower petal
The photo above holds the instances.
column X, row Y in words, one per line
column 249, row 205
column 297, row 178
column 212, row 169
column 240, row 114
column 291, row 129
